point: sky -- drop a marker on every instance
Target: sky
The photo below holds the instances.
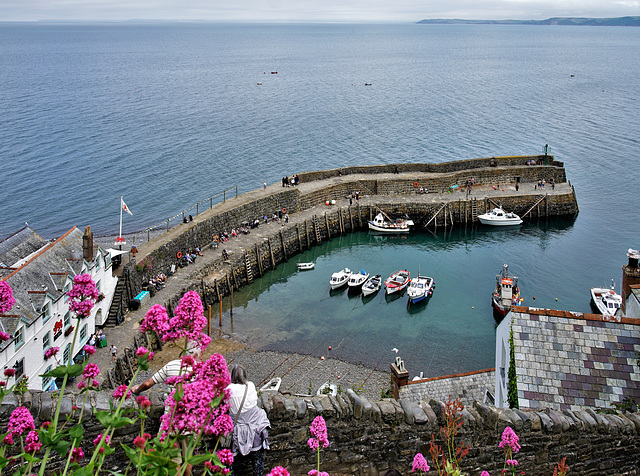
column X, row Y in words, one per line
column 310, row 10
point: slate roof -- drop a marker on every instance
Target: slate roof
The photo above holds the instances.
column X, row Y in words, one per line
column 567, row 360
column 19, row 245
column 43, row 274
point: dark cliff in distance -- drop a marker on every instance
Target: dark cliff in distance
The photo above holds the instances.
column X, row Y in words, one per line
column 619, row 21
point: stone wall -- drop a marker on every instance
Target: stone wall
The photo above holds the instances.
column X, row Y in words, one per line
column 469, row 387
column 367, row 438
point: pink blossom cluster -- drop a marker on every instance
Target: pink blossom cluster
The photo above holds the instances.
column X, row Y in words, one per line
column 7, row 300
column 89, row 374
column 82, row 295
column 509, row 440
column 50, row 352
column 96, row 442
column 319, row 431
column 156, row 320
column 32, row 442
column 19, row 421
column 76, row 454
column 279, row 471
column 420, row 463
column 315, row 472
column 89, row 349
column 119, row 392
column 141, row 441
column 10, row 372
column 200, row 387
column 226, row 457
column 188, row 319
column 144, row 402
column 4, row 336
column 216, row 469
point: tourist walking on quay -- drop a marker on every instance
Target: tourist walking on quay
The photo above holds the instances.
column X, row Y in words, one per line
column 114, row 352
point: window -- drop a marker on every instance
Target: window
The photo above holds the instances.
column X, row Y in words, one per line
column 67, row 320
column 19, row 337
column 65, row 290
column 46, row 313
column 46, row 341
column 19, row 366
column 83, row 334
column 98, row 286
column 46, row 381
column 66, row 354
column 107, row 261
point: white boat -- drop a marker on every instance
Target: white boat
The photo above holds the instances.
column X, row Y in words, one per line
column 356, row 280
column 420, row 288
column 328, row 388
column 506, row 293
column 373, row 285
column 305, row 266
column 498, row 217
column 397, row 281
column 272, row 385
column 606, row 301
column 340, row 278
column 381, row 225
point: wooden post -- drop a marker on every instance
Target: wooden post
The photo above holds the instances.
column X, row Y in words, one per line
column 215, row 283
column 220, row 314
column 359, row 216
column 351, row 219
column 326, row 223
column 273, row 261
column 341, row 223
column 209, row 320
column 259, row 260
column 231, row 308
column 299, row 240
column 284, row 248
column 306, row 233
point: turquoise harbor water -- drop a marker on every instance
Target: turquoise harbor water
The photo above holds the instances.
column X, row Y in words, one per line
column 169, row 114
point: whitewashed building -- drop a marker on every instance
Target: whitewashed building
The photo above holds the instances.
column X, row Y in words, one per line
column 40, row 273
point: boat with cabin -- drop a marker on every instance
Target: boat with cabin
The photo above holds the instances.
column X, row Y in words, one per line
column 305, row 266
column 397, row 281
column 420, row 288
column 340, row 278
column 507, row 292
column 606, row 301
column 381, row 225
column 356, row 280
column 498, row 217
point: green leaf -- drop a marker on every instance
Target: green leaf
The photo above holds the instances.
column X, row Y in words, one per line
column 119, row 422
column 104, row 417
column 77, row 432
column 58, row 372
column 132, row 453
column 76, row 370
column 84, row 470
column 197, row 459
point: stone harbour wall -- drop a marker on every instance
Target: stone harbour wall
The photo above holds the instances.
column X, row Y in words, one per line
column 368, row 438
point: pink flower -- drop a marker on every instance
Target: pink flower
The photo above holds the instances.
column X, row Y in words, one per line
column 77, row 454
column 226, row 457
column 99, row 437
column 95, row 384
column 156, row 320
column 118, row 393
column 10, row 372
column 139, row 441
column 90, row 371
column 144, row 402
column 82, row 295
column 140, row 351
column 279, row 471
column 8, row 440
column 510, row 439
column 319, row 431
column 46, row 425
column 89, row 349
column 485, row 473
column 420, row 463
column 32, row 442
column 82, row 384
column 6, row 301
column 50, row 352
column 19, row 421
column 4, row 336
column 512, row 462
column 188, row 319
column 315, row 472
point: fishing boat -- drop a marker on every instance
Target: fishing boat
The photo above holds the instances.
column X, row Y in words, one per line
column 380, row 225
column 356, row 280
column 498, row 217
column 305, row 266
column 372, row 285
column 606, row 301
column 272, row 385
column 506, row 293
column 340, row 278
column 397, row 281
column 420, row 288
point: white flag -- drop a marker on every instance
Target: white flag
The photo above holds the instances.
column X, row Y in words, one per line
column 125, row 207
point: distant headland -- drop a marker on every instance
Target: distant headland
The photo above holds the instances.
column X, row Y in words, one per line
column 571, row 21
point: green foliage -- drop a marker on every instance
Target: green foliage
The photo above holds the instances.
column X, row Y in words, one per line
column 512, row 385
column 358, row 389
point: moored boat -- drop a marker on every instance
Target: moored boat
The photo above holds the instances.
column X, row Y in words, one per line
column 498, row 217
column 381, row 225
column 420, row 288
column 606, row 301
column 397, row 281
column 356, row 280
column 305, row 266
column 507, row 292
column 372, row 285
column 340, row 278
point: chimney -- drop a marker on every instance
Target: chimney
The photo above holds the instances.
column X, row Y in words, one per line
column 630, row 275
column 87, row 244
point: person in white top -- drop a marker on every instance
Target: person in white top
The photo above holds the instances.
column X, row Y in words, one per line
column 250, row 434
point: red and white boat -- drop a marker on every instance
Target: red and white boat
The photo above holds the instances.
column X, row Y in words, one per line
column 506, row 293
column 397, row 281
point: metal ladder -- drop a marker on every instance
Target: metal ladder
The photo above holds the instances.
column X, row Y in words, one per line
column 247, row 264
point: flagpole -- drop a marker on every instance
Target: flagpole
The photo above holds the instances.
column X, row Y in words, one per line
column 121, row 201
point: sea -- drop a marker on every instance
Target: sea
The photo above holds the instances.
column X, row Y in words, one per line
column 169, row 114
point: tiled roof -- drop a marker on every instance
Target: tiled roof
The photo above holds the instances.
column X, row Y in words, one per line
column 19, row 245
column 33, row 278
column 566, row 360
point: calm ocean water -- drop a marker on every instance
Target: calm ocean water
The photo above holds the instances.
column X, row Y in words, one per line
column 169, row 114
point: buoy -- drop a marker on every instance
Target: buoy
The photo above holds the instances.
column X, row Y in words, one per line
column 329, row 347
column 556, row 299
column 473, row 307
column 534, row 297
column 327, row 203
column 416, row 184
column 333, row 202
column 322, row 358
column 179, row 254
column 338, row 377
column 503, row 189
column 284, row 209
